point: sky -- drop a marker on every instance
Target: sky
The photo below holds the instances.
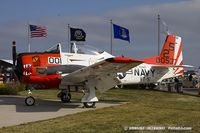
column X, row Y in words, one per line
column 139, row 16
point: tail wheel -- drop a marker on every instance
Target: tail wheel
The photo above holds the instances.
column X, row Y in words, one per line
column 30, row 101
column 89, row 104
column 65, row 97
column 143, row 86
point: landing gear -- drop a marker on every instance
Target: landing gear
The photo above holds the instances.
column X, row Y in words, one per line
column 89, row 104
column 89, row 98
column 65, row 97
column 30, row 101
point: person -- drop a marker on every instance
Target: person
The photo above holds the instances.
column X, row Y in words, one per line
column 176, row 84
column 190, row 77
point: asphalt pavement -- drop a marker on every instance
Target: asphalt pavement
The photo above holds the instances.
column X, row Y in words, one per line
column 13, row 110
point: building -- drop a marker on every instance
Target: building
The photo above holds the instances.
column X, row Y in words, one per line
column 6, row 73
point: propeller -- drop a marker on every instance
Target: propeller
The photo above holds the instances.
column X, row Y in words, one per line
column 14, row 57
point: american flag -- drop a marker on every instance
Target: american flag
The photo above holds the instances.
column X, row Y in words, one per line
column 38, row 31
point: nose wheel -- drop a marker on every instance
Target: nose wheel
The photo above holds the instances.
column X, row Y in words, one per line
column 30, row 101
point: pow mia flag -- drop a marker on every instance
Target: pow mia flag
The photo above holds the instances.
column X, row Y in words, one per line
column 77, row 34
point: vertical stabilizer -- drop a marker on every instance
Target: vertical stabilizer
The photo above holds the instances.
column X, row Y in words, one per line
column 171, row 54
column 172, row 51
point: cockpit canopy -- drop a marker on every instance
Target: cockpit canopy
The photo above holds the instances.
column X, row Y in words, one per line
column 77, row 49
column 84, row 49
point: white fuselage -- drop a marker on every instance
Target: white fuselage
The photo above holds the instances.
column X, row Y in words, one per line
column 145, row 73
column 142, row 74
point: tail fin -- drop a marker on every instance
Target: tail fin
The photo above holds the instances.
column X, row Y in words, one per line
column 171, row 54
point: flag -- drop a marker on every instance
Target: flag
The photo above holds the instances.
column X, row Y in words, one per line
column 77, row 34
column 38, row 31
column 121, row 33
column 165, row 29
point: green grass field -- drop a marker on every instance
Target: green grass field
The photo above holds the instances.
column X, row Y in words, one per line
column 144, row 108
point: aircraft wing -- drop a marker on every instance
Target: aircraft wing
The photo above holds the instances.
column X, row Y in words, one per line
column 173, row 66
column 101, row 75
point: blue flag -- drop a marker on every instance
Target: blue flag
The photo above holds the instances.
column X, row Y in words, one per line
column 121, row 33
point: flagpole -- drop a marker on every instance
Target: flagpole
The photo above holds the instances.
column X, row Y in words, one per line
column 68, row 37
column 158, row 34
column 111, row 36
column 29, row 44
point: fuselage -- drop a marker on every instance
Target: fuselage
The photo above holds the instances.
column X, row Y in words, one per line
column 47, row 68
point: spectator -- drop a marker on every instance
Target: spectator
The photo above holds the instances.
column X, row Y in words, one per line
column 190, row 77
column 176, row 84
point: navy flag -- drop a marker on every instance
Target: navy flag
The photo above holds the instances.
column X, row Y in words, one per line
column 77, row 34
column 121, row 33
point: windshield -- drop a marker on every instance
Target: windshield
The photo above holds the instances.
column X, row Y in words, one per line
column 75, row 48
column 84, row 49
column 54, row 49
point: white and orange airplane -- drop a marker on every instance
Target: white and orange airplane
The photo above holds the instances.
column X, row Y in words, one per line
column 93, row 69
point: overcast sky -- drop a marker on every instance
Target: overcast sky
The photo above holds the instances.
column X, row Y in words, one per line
column 139, row 16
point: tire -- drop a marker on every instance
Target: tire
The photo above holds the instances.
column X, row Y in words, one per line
column 152, row 86
column 89, row 104
column 30, row 101
column 65, row 97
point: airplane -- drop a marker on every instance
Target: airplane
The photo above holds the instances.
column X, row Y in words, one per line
column 81, row 68
column 93, row 70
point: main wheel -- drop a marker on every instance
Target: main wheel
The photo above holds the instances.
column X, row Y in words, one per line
column 30, row 101
column 65, row 97
column 89, row 104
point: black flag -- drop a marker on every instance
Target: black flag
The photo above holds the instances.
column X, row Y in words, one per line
column 77, row 34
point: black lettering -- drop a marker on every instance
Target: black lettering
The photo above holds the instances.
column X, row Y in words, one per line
column 142, row 72
column 165, row 53
column 162, row 60
column 171, row 46
column 167, row 60
column 136, row 72
column 152, row 72
column 147, row 72
column 57, row 60
column 51, row 60
column 54, row 60
column 171, row 60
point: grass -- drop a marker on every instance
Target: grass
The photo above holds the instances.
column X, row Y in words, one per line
column 144, row 108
